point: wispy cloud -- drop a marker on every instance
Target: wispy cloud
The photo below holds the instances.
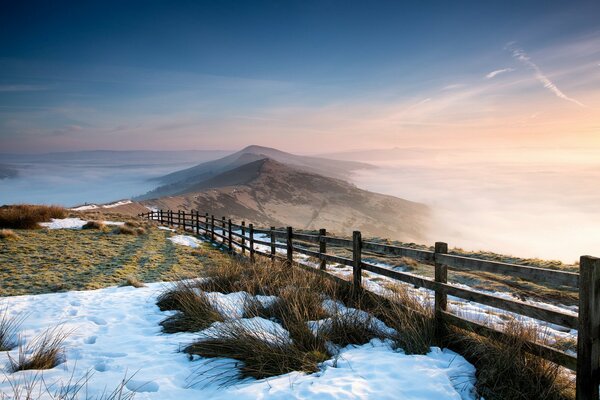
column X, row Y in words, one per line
column 498, row 72
column 454, row 86
column 523, row 57
column 22, row 88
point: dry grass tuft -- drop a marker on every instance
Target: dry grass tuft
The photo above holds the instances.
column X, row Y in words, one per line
column 133, row 281
column 412, row 319
column 94, row 225
column 9, row 327
column 8, row 234
column 34, row 386
column 27, row 216
column 124, row 230
column 262, row 354
column 505, row 370
column 194, row 310
column 45, row 351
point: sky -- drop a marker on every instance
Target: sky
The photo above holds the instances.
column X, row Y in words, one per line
column 306, row 77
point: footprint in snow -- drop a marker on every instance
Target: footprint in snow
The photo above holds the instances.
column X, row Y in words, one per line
column 142, row 386
column 97, row 321
column 90, row 340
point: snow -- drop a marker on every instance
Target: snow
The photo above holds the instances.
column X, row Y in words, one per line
column 72, row 223
column 467, row 309
column 186, row 240
column 115, row 332
column 88, row 207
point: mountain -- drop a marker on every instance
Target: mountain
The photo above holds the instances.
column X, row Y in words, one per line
column 270, row 193
column 187, row 180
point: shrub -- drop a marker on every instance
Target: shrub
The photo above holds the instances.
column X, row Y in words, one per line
column 8, row 234
column 26, row 216
column 94, row 225
column 45, row 351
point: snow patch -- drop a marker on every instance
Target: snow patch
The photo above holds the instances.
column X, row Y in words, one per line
column 186, row 240
column 72, row 223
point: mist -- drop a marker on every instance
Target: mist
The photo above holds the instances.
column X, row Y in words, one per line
column 536, row 206
column 75, row 178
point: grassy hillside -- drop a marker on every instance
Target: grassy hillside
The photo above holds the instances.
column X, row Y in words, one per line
column 43, row 261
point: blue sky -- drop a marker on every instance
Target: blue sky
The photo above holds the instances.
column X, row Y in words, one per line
column 346, row 75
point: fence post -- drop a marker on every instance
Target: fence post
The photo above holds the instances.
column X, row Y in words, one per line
column 212, row 227
column 243, row 237
column 356, row 260
column 229, row 235
column 206, row 224
column 290, row 245
column 588, row 343
column 197, row 222
column 179, row 219
column 441, row 298
column 223, row 226
column 322, row 248
column 170, row 217
column 162, row 221
column 251, row 228
column 273, row 249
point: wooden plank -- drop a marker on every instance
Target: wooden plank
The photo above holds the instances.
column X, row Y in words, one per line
column 356, row 260
column 338, row 241
column 533, row 274
column 273, row 242
column 251, row 228
column 322, row 247
column 588, row 340
column 417, row 254
column 263, row 242
column 401, row 276
column 441, row 298
column 229, row 231
column 540, row 350
column 290, row 245
column 306, row 238
column 519, row 307
column 515, row 306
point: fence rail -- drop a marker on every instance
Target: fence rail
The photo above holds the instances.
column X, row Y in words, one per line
column 587, row 322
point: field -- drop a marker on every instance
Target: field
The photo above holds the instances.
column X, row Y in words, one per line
column 51, row 260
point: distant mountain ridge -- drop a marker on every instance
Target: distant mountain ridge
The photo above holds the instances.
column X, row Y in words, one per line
column 199, row 176
column 270, row 193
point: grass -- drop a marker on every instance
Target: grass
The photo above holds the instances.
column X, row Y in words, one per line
column 45, row 261
column 45, row 351
column 94, row 225
column 28, row 216
column 9, row 328
column 194, row 310
column 8, row 234
column 133, row 281
column 504, row 369
column 34, row 386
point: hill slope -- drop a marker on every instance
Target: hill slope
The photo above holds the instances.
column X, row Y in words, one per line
column 268, row 192
column 187, row 180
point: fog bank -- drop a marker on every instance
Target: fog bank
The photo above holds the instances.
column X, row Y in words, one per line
column 532, row 207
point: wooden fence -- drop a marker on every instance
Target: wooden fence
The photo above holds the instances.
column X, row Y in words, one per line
column 586, row 364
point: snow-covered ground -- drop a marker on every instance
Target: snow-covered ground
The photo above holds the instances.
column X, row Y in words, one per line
column 115, row 332
column 72, row 223
column 88, row 207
